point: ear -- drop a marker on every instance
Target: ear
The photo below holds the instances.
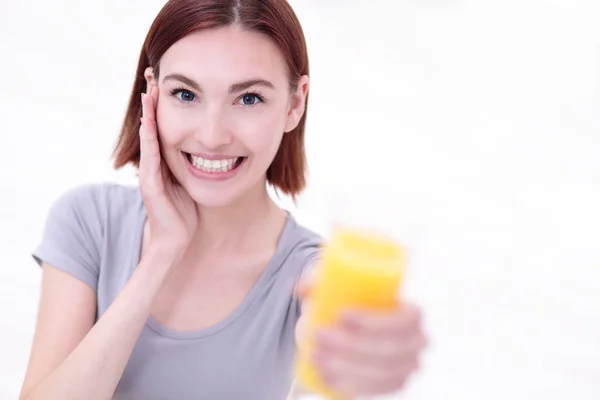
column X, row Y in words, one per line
column 297, row 104
column 149, row 76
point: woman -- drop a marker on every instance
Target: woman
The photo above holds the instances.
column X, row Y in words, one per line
column 183, row 287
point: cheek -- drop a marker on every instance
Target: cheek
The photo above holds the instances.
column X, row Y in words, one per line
column 260, row 132
column 172, row 126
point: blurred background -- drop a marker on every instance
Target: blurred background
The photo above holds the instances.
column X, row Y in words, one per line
column 477, row 119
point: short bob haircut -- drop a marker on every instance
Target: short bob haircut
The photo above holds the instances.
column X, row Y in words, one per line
column 178, row 18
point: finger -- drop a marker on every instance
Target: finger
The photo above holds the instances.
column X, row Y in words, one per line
column 172, row 185
column 405, row 319
column 154, row 93
column 300, row 331
column 165, row 173
column 362, row 382
column 150, row 111
column 149, row 149
column 150, row 155
column 362, row 379
column 382, row 353
column 307, row 282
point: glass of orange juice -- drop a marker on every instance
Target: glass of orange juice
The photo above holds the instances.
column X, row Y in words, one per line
column 362, row 265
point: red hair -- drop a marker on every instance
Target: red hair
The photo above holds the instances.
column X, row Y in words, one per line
column 178, row 18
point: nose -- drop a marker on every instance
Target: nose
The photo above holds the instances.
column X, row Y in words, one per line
column 212, row 130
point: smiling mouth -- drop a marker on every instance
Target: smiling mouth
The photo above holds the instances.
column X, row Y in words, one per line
column 214, row 166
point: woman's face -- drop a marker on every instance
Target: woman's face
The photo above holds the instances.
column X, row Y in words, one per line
column 224, row 105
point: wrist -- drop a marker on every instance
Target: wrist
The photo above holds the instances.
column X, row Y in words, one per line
column 162, row 254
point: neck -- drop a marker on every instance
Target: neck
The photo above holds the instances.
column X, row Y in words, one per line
column 236, row 225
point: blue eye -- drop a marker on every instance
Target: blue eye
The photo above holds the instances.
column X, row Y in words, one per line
column 251, row 99
column 183, row 95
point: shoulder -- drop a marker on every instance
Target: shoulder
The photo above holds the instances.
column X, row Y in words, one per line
column 92, row 204
column 79, row 198
column 303, row 244
column 78, row 208
column 306, row 241
column 77, row 224
column 304, row 251
column 98, row 196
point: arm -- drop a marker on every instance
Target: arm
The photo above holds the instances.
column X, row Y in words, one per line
column 71, row 357
column 367, row 352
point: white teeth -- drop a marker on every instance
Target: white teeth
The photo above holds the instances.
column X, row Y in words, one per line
column 222, row 165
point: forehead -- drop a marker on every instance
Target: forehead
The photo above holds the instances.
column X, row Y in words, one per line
column 225, row 55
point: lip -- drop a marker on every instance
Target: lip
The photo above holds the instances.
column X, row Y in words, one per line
column 212, row 156
column 211, row 176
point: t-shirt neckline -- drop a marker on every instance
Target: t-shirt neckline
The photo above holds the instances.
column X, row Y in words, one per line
column 240, row 309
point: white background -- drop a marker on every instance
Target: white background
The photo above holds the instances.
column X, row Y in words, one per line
column 479, row 119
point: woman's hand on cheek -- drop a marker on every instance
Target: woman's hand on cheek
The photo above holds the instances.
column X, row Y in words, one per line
column 369, row 353
column 171, row 212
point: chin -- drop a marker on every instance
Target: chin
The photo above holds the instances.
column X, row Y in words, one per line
column 213, row 198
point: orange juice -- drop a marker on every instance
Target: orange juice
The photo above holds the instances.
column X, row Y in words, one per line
column 358, row 269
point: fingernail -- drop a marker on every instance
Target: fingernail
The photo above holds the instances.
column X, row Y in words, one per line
column 349, row 320
column 324, row 337
column 322, row 356
column 319, row 356
column 328, row 378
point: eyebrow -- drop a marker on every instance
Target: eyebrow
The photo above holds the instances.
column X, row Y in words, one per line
column 183, row 79
column 236, row 87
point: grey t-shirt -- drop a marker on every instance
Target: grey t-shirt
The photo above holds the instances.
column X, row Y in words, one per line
column 94, row 232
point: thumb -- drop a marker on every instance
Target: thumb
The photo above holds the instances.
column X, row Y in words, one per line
column 307, row 282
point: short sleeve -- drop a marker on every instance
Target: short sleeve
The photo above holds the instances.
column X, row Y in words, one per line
column 72, row 235
column 308, row 255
